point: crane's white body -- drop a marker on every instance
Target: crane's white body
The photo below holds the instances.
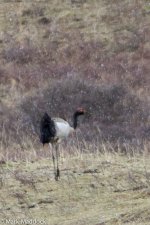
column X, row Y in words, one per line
column 63, row 128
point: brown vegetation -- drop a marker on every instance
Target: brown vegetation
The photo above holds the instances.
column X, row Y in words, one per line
column 57, row 71
column 56, row 56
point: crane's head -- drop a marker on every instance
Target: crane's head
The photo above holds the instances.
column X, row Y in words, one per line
column 80, row 111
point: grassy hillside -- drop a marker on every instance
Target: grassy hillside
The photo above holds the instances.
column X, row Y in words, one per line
column 102, row 46
column 56, row 56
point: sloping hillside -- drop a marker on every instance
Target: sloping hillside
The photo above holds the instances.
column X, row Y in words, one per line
column 102, row 46
column 57, row 55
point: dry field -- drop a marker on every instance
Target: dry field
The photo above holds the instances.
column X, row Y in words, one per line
column 100, row 189
column 56, row 56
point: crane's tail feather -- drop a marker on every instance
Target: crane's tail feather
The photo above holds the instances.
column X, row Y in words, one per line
column 47, row 129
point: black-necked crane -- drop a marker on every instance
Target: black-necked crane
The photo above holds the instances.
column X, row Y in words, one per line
column 53, row 130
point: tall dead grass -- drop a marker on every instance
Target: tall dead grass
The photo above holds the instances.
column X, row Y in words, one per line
column 110, row 80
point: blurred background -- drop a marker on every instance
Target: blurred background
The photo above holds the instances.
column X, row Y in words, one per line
column 56, row 56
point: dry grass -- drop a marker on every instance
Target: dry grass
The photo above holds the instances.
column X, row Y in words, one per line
column 54, row 57
column 100, row 188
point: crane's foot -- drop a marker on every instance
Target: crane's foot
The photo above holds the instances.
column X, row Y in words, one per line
column 57, row 175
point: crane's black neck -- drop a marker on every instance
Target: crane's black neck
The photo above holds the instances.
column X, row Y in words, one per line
column 75, row 119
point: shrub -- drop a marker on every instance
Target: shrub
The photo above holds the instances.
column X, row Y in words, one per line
column 44, row 20
column 18, row 54
column 112, row 108
column 33, row 12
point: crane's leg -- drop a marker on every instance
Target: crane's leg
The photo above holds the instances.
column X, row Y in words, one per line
column 53, row 157
column 57, row 158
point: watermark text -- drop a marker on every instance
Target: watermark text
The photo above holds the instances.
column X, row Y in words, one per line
column 23, row 221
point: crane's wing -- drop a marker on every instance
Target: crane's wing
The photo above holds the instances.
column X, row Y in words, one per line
column 63, row 129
